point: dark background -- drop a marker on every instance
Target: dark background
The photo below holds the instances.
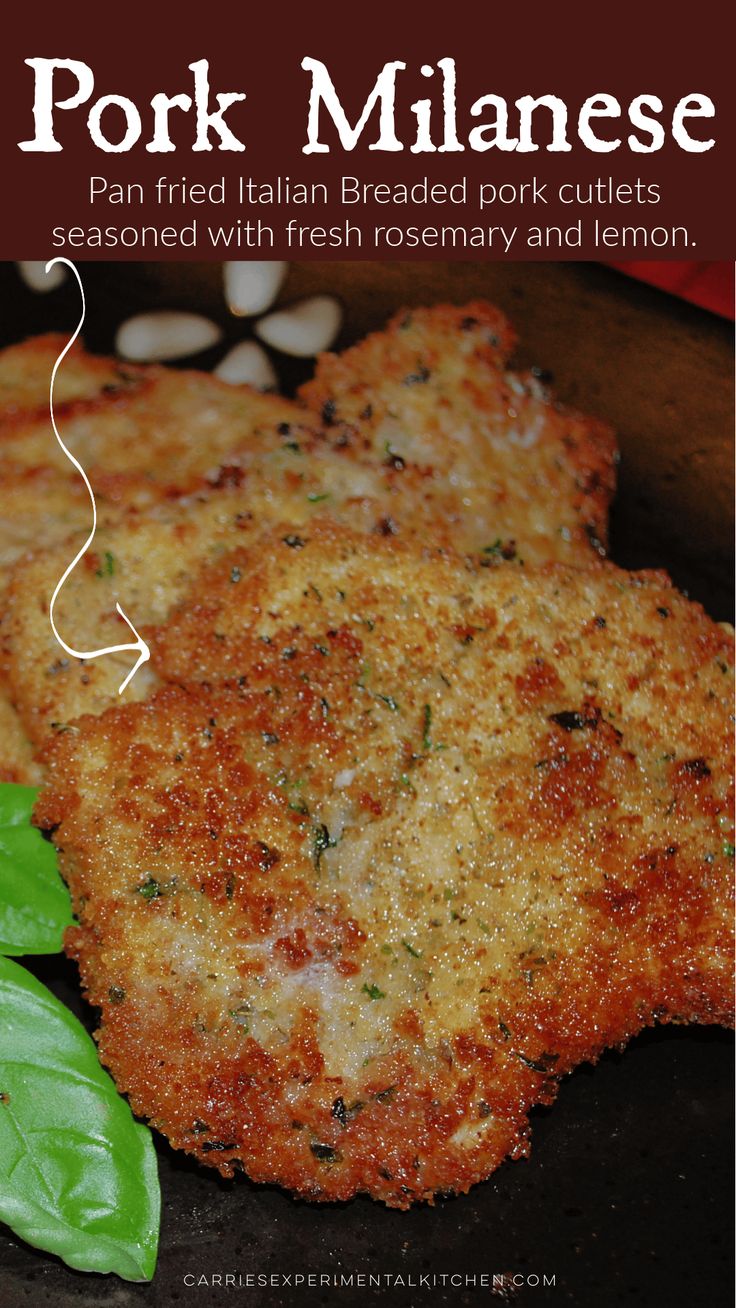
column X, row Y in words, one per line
column 627, row 1198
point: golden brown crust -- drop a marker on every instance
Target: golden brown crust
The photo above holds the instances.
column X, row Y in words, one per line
column 25, row 373
column 173, row 424
column 464, row 479
column 16, row 752
column 143, row 434
column 430, row 403
column 150, row 439
column 183, row 465
column 430, row 835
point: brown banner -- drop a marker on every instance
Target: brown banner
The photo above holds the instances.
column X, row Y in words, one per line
column 628, row 154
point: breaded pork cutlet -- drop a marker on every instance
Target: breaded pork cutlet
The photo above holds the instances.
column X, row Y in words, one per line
column 37, row 503
column 25, row 373
column 143, row 434
column 431, row 405
column 177, row 427
column 407, row 841
column 146, row 561
column 16, row 752
column 42, row 497
column 471, row 479
column 459, row 447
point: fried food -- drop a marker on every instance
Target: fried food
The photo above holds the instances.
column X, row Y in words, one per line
column 460, row 447
column 461, row 452
column 16, row 752
column 172, row 425
column 142, row 434
column 430, row 405
column 146, row 562
column 466, row 481
column 404, row 841
column 41, row 507
column 145, row 436
column 25, row 373
column 42, row 497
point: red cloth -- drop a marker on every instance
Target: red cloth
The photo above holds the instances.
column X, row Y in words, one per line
column 710, row 285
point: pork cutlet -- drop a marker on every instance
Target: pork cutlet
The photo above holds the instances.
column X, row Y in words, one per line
column 145, row 436
column 402, row 842
column 432, row 405
column 142, row 434
column 469, row 455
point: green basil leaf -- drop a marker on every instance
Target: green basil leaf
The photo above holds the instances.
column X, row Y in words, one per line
column 34, row 902
column 78, row 1174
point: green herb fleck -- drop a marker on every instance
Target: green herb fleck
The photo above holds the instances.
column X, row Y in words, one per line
column 149, row 889
column 321, row 840
column 390, row 702
column 240, row 1016
column 415, row 953
column 108, row 569
column 373, row 992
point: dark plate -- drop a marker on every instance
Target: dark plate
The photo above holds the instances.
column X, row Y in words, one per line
column 628, row 1195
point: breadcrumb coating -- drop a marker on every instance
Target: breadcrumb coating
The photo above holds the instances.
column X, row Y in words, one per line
column 402, row 841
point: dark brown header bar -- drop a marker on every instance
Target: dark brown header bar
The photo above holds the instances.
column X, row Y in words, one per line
column 485, row 137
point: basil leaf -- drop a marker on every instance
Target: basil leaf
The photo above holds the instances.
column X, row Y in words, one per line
column 78, row 1174
column 34, row 902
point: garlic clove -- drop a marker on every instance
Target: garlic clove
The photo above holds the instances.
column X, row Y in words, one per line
column 248, row 364
column 165, row 334
column 304, row 329
column 251, row 285
column 33, row 272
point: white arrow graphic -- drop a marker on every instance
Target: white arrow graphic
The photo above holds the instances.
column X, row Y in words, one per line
column 140, row 645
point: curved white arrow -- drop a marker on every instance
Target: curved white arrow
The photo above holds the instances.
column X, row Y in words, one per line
column 144, row 653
